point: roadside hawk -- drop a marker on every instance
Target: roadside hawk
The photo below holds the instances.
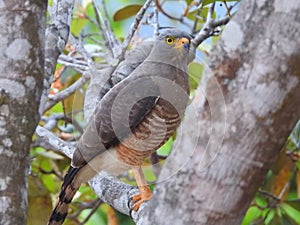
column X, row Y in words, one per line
column 133, row 119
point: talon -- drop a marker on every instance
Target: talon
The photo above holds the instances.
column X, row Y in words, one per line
column 136, row 198
column 141, row 198
column 145, row 193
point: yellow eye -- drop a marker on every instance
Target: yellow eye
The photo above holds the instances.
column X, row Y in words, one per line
column 169, row 40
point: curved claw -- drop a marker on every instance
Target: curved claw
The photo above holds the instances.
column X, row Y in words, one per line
column 145, row 195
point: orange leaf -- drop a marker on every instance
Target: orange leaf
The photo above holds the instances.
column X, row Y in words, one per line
column 298, row 183
column 280, row 181
column 112, row 217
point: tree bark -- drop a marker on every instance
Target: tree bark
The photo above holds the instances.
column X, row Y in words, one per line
column 22, row 31
column 234, row 132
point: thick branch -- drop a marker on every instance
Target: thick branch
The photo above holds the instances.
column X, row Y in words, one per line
column 108, row 188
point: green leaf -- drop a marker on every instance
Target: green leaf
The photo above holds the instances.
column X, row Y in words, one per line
column 149, row 175
column 270, row 214
column 291, row 212
column 252, row 214
column 57, row 108
column 203, row 14
column 294, row 203
column 96, row 218
column 261, row 202
column 166, row 148
column 206, row 2
column 126, row 12
column 188, row 2
column 195, row 72
column 77, row 25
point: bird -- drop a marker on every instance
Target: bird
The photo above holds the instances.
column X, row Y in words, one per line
column 132, row 120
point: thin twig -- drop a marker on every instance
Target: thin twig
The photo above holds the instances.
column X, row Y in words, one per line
column 270, row 195
column 78, row 45
column 221, row 22
column 70, row 59
column 53, row 99
column 97, row 203
column 106, row 21
column 209, row 27
column 79, row 68
column 159, row 7
column 210, row 12
column 139, row 16
column 197, row 17
column 109, row 37
column 227, row 8
column 155, row 20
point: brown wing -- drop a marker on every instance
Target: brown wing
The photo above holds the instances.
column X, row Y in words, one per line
column 120, row 110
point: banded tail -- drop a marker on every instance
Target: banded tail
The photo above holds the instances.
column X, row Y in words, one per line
column 68, row 190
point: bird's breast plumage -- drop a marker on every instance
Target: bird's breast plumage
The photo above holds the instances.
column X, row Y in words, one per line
column 151, row 133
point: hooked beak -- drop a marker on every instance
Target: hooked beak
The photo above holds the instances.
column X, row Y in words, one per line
column 182, row 43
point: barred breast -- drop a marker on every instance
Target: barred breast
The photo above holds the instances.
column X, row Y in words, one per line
column 155, row 129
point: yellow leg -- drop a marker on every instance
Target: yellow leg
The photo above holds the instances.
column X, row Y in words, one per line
column 145, row 193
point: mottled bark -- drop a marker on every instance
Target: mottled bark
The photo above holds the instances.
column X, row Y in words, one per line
column 255, row 66
column 22, row 28
column 231, row 138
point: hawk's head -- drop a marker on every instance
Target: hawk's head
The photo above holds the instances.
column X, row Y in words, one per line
column 176, row 39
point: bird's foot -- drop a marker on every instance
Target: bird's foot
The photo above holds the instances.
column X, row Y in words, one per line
column 145, row 195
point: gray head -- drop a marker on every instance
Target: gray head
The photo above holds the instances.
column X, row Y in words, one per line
column 172, row 46
column 175, row 38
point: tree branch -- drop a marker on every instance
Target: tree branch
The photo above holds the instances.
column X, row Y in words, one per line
column 139, row 16
column 160, row 8
column 209, row 27
column 57, row 35
column 56, row 143
column 107, row 34
column 108, row 188
column 53, row 99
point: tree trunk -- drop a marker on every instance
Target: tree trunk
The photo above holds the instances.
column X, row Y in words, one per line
column 22, row 28
column 231, row 138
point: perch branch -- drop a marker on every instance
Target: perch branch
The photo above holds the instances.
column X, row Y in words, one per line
column 107, row 187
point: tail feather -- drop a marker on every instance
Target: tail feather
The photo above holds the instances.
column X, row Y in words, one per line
column 68, row 190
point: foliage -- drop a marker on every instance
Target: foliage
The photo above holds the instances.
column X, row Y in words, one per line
column 277, row 202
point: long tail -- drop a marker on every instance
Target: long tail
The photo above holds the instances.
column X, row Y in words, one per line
column 68, row 190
